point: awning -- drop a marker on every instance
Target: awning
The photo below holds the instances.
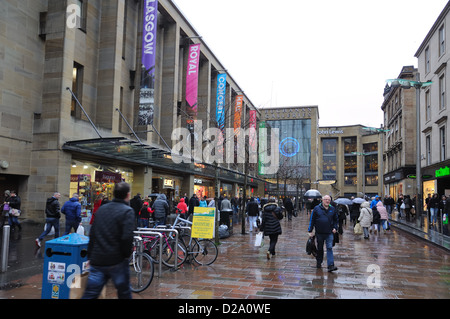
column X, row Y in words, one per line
column 132, row 152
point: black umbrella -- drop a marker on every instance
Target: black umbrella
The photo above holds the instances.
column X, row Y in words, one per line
column 313, row 193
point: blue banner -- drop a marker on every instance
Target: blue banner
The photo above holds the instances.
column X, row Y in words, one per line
column 220, row 100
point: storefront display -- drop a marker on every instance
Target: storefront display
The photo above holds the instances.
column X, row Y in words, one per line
column 93, row 182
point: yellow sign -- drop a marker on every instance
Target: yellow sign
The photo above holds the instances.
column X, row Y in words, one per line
column 203, row 223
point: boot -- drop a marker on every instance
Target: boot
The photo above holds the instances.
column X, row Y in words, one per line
column 331, row 268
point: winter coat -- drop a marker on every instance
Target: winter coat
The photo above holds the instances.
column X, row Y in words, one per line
column 375, row 216
column 145, row 211
column 182, row 206
column 14, row 202
column 382, row 210
column 252, row 208
column 111, row 234
column 323, row 220
column 289, row 205
column 160, row 207
column 225, row 206
column 354, row 211
column 365, row 216
column 193, row 202
column 72, row 210
column 270, row 223
column 52, row 208
column 203, row 203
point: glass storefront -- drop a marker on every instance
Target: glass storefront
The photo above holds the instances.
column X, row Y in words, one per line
column 95, row 181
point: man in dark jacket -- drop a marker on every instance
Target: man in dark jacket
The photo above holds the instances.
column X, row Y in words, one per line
column 136, row 203
column 193, row 202
column 253, row 213
column 324, row 220
column 72, row 210
column 52, row 214
column 289, row 207
column 271, row 224
column 160, row 210
column 111, row 244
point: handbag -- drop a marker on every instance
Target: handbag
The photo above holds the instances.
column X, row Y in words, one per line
column 402, row 206
column 335, row 238
column 445, row 219
column 6, row 207
column 358, row 229
column 14, row 212
column 259, row 239
column 78, row 286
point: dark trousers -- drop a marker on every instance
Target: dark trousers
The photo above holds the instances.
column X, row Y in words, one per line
column 273, row 242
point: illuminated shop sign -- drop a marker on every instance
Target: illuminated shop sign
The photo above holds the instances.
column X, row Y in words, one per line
column 443, row 171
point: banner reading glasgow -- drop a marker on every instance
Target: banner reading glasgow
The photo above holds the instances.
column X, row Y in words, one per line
column 147, row 97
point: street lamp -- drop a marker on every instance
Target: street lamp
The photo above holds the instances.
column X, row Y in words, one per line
column 363, row 170
column 405, row 84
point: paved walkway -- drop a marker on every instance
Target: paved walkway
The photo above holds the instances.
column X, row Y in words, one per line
column 387, row 266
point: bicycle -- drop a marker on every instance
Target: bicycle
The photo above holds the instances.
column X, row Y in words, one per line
column 203, row 251
column 151, row 245
column 141, row 267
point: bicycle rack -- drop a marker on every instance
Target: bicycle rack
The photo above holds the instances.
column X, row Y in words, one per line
column 160, row 245
column 175, row 266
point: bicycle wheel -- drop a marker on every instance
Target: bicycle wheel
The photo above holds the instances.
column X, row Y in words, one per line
column 141, row 271
column 205, row 252
column 168, row 258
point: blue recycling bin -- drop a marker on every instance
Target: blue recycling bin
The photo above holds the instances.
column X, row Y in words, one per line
column 65, row 257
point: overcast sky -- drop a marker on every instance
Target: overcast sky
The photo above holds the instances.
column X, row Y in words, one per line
column 334, row 54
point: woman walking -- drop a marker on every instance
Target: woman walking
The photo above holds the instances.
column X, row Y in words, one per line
column 383, row 216
column 365, row 218
column 271, row 224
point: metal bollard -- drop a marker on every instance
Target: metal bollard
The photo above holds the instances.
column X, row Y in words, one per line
column 5, row 248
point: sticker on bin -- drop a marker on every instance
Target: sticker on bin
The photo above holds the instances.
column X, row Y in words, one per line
column 55, row 291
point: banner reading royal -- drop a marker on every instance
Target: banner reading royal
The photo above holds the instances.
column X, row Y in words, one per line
column 147, row 85
column 192, row 82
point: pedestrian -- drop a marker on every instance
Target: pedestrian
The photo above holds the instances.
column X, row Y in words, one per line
column 203, row 202
column 408, row 205
column 252, row 210
column 354, row 213
column 374, row 202
column 52, row 216
column 324, row 221
column 434, row 208
column 136, row 203
column 182, row 208
column 193, row 202
column 365, row 218
column 289, row 207
column 400, row 203
column 110, row 245
column 383, row 216
column 14, row 203
column 5, row 207
column 225, row 211
column 271, row 215
column 144, row 215
column 160, row 210
column 376, row 219
column 342, row 216
column 72, row 210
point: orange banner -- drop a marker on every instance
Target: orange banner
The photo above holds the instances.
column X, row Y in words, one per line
column 237, row 112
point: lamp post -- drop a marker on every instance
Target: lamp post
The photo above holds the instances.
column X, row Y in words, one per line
column 363, row 170
column 406, row 84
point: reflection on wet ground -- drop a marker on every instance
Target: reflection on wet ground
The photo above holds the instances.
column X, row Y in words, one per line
column 386, row 266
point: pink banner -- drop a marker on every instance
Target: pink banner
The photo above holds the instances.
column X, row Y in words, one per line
column 192, row 79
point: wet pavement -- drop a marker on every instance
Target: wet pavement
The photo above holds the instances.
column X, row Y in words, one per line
column 396, row 265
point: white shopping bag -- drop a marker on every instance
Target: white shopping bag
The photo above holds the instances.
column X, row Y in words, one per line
column 259, row 239
column 80, row 230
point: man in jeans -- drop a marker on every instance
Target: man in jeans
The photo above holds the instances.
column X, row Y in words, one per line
column 324, row 220
column 110, row 245
column 52, row 214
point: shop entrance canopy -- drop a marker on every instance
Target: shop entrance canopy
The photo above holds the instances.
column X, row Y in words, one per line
column 135, row 153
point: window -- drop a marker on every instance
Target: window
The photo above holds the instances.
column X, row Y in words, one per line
column 329, row 158
column 77, row 89
column 441, row 40
column 427, row 106
column 428, row 149
column 442, row 92
column 83, row 10
column 427, row 60
column 442, row 143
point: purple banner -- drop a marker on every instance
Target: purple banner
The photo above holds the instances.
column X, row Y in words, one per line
column 147, row 99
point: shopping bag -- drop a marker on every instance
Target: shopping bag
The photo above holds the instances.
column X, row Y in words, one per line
column 445, row 219
column 80, row 230
column 78, row 286
column 259, row 239
column 358, row 229
column 15, row 212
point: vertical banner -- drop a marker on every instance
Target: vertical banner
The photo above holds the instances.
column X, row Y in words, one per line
column 147, row 87
column 192, row 81
column 220, row 109
column 237, row 113
column 262, row 149
column 252, row 135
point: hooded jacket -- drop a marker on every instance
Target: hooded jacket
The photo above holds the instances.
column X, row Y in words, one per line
column 160, row 207
column 270, row 224
column 182, row 206
column 365, row 217
column 323, row 220
column 52, row 208
column 72, row 210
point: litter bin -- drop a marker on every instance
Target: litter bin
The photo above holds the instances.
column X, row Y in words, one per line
column 65, row 257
